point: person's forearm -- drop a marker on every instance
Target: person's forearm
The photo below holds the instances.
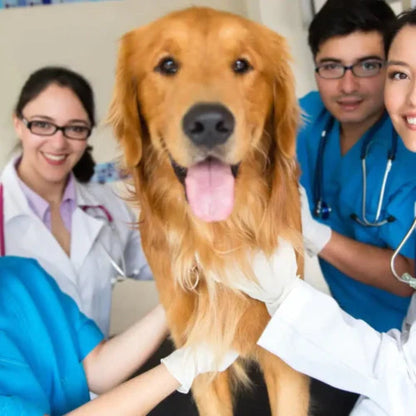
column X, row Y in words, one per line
column 115, row 360
column 367, row 264
column 135, row 397
column 313, row 335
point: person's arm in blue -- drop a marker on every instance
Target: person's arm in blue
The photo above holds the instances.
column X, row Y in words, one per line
column 36, row 316
column 363, row 262
column 20, row 391
column 21, row 394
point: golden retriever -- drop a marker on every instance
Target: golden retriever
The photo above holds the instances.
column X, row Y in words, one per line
column 205, row 111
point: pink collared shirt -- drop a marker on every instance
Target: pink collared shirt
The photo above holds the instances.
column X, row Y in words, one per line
column 42, row 208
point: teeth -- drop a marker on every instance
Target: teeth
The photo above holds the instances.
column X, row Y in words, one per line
column 56, row 158
column 411, row 120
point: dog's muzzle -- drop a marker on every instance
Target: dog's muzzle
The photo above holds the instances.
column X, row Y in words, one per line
column 209, row 182
column 208, row 124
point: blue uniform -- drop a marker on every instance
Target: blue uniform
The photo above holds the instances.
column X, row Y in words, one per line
column 342, row 190
column 43, row 340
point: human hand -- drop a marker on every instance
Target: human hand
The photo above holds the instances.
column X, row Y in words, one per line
column 315, row 234
column 276, row 276
column 187, row 362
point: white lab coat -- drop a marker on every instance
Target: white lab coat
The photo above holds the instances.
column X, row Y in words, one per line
column 87, row 274
column 313, row 335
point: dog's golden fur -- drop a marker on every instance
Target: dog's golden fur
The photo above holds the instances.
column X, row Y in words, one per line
column 189, row 257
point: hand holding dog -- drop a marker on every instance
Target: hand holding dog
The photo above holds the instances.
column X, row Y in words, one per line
column 188, row 362
column 276, row 277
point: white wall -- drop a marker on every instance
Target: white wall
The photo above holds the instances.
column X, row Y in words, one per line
column 285, row 17
column 82, row 36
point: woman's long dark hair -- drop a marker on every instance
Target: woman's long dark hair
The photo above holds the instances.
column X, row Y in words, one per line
column 39, row 80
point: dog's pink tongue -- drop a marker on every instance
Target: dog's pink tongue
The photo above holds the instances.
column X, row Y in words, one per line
column 210, row 190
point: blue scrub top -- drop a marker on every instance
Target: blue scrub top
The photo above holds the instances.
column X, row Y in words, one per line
column 342, row 190
column 43, row 340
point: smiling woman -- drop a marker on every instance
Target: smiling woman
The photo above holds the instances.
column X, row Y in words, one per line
column 400, row 89
column 49, row 155
column 50, row 212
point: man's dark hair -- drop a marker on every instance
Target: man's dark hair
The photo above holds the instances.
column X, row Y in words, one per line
column 342, row 17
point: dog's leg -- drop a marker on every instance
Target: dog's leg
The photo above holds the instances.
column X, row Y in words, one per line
column 213, row 398
column 288, row 390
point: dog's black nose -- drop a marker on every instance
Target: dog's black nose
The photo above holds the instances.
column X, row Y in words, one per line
column 208, row 124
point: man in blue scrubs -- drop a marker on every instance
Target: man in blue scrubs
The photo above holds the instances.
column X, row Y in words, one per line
column 346, row 40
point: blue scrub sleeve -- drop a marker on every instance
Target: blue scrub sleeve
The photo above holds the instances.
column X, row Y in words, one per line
column 43, row 339
column 21, row 393
column 50, row 303
column 88, row 333
column 16, row 406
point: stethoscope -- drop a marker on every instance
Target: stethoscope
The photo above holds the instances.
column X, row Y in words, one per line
column 322, row 209
column 97, row 211
column 405, row 277
column 100, row 211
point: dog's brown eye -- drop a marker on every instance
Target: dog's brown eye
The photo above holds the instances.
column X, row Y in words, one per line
column 167, row 66
column 241, row 66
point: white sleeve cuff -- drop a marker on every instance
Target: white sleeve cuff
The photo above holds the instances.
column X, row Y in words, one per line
column 313, row 335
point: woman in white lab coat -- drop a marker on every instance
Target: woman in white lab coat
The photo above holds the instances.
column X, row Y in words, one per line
column 308, row 329
column 79, row 232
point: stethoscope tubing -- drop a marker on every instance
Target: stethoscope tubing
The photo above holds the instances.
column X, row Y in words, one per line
column 364, row 221
column 318, row 179
column 102, row 208
column 121, row 270
column 406, row 277
column 318, row 197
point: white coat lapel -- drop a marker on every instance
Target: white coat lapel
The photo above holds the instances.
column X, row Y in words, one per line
column 15, row 202
column 26, row 235
column 85, row 227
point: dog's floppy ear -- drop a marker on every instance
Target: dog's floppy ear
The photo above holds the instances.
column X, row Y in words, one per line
column 124, row 112
column 285, row 106
column 284, row 125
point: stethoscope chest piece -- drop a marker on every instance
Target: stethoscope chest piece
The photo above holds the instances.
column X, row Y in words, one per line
column 322, row 210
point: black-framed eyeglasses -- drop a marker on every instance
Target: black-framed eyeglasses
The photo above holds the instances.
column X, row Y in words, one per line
column 46, row 128
column 362, row 69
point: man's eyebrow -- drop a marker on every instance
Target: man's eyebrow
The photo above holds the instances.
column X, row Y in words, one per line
column 361, row 59
column 329, row 59
column 375, row 57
